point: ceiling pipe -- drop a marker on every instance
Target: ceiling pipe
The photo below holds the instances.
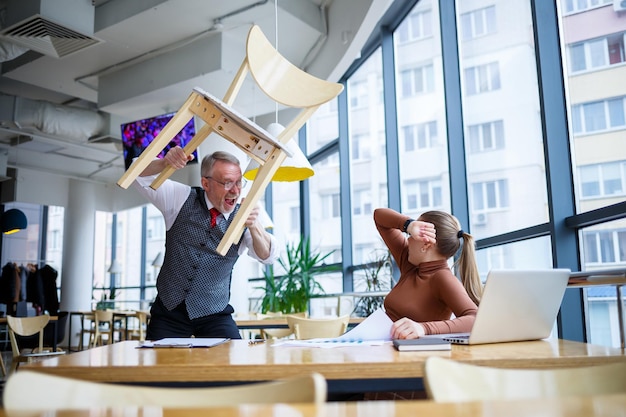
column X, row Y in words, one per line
column 52, row 119
column 9, row 51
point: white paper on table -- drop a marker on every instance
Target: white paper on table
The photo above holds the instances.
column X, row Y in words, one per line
column 184, row 342
column 374, row 330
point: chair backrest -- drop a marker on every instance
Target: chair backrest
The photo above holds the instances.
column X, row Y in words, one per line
column 54, row 392
column 276, row 333
column 103, row 317
column 58, row 327
column 282, row 81
column 447, row 380
column 26, row 326
column 142, row 317
column 307, row 328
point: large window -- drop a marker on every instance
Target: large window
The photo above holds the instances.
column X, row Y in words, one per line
column 368, row 163
column 597, row 108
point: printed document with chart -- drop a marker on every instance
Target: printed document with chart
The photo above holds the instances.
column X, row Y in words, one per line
column 374, row 330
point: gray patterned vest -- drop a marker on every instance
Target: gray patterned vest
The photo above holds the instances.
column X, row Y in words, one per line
column 192, row 270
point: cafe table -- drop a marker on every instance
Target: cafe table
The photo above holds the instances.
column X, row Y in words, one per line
column 251, row 322
column 613, row 405
column 347, row 369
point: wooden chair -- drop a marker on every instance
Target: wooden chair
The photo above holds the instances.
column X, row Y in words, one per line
column 139, row 332
column 35, row 392
column 86, row 329
column 281, row 81
column 306, row 328
column 28, row 326
column 447, row 380
column 103, row 325
column 277, row 333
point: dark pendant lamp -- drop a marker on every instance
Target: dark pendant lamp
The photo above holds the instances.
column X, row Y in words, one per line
column 13, row 220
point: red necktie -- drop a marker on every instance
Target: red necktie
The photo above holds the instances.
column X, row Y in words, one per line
column 214, row 213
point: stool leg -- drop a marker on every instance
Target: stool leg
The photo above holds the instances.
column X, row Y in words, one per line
column 171, row 129
column 4, row 369
column 262, row 179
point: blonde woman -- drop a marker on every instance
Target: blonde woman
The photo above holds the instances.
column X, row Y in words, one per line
column 429, row 298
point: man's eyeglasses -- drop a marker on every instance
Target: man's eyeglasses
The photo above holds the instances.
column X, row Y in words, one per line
column 230, row 184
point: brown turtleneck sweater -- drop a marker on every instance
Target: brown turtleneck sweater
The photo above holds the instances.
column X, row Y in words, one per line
column 428, row 293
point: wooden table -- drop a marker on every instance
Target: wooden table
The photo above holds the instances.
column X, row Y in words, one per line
column 605, row 277
column 588, row 406
column 347, row 369
column 279, row 322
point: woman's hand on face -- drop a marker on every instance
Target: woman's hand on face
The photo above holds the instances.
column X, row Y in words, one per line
column 407, row 329
column 423, row 231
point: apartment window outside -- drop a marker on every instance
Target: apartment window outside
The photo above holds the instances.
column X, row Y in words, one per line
column 487, row 136
column 479, row 22
column 56, row 219
column 417, row 26
column 417, row 81
column 156, row 227
column 598, row 116
column 492, row 258
column 294, row 218
column 330, row 205
column 605, row 247
column 597, row 53
column 286, row 200
column 358, row 94
column 490, row 195
column 482, row 78
column 362, row 202
column 361, row 147
column 572, row 6
column 603, row 180
column 423, row 195
column 420, row 136
column 322, row 127
column 526, row 254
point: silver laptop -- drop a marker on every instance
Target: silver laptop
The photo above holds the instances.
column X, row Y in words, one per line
column 516, row 305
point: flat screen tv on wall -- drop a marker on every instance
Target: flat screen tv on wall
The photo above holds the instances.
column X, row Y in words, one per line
column 137, row 135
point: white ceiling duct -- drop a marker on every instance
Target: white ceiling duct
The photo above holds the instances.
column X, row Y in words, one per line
column 46, row 26
column 9, row 50
column 53, row 120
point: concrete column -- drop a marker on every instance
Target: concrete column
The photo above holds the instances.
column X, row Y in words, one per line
column 78, row 253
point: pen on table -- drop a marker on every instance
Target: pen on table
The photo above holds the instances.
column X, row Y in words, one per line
column 256, row 341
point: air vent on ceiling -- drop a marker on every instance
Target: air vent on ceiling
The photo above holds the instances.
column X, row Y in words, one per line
column 47, row 37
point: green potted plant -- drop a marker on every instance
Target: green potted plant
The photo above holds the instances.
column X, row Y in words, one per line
column 378, row 277
column 291, row 292
column 107, row 301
